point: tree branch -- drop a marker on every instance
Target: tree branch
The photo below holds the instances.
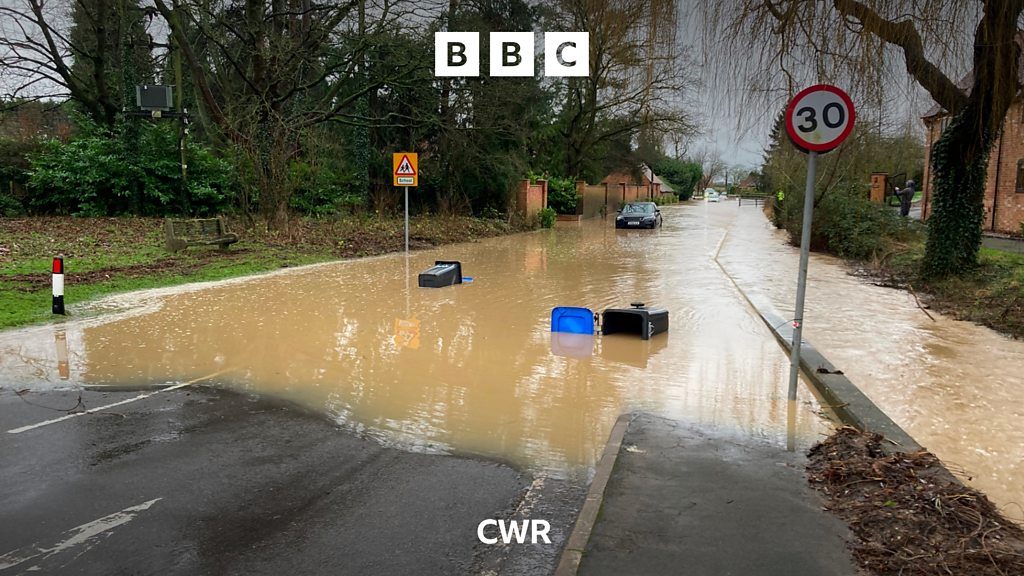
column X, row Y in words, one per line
column 905, row 35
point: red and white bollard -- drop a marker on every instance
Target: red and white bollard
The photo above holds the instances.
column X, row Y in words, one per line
column 58, row 284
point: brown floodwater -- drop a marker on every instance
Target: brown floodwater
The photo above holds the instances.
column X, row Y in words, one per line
column 956, row 387
column 484, row 375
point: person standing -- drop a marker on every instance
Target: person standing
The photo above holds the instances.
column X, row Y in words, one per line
column 906, row 198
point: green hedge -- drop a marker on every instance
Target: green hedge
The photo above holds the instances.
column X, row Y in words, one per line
column 845, row 223
column 136, row 170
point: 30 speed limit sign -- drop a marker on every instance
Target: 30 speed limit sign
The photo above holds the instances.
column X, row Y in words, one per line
column 819, row 118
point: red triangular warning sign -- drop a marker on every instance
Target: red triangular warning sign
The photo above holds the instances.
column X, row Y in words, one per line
column 405, row 168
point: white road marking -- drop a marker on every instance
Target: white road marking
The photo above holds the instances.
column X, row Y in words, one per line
column 102, row 408
column 74, row 537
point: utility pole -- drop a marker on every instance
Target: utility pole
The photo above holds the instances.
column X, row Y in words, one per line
column 182, row 115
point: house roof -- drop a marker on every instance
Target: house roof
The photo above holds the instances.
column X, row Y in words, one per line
column 620, row 177
column 649, row 173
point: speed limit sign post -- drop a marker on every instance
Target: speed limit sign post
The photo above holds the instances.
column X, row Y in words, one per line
column 818, row 119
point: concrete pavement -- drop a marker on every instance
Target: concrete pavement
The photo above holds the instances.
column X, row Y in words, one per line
column 698, row 502
column 1004, row 243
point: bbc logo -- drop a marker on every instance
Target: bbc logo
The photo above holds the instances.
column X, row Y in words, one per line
column 512, row 54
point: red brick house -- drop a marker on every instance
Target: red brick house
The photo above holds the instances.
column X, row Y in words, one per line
column 1004, row 186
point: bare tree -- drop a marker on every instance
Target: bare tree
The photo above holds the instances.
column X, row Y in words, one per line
column 711, row 162
column 636, row 76
column 89, row 51
column 269, row 71
column 778, row 46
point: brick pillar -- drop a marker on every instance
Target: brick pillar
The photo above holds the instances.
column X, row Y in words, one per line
column 522, row 194
column 543, row 193
column 581, row 196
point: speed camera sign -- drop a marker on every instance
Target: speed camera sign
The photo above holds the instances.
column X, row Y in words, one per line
column 819, row 118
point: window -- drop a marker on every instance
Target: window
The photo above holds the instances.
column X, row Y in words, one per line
column 1020, row 176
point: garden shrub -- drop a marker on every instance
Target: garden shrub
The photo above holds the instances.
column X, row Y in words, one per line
column 846, row 224
column 562, row 195
column 101, row 174
column 547, row 217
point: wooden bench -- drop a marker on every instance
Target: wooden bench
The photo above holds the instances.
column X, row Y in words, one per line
column 197, row 232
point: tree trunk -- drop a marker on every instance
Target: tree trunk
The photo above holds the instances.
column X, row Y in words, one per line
column 960, row 167
column 279, row 217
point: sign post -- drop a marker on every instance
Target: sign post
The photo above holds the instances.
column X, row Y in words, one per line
column 818, row 119
column 406, row 174
column 406, row 171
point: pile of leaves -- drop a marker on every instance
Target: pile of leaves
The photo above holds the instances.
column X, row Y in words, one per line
column 910, row 516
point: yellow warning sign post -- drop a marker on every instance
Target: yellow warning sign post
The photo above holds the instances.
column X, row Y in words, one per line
column 406, row 168
column 407, row 174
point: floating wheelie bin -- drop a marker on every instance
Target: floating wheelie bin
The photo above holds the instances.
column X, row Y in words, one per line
column 640, row 320
column 442, row 273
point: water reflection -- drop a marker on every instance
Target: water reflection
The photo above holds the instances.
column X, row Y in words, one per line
column 486, row 376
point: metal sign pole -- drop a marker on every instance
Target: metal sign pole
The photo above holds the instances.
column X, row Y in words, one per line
column 406, row 221
column 406, row 284
column 801, row 283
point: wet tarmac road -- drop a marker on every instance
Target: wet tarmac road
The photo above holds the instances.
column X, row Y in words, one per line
column 206, row 481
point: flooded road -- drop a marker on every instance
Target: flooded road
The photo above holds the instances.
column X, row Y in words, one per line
column 474, row 369
column 956, row 387
column 483, row 375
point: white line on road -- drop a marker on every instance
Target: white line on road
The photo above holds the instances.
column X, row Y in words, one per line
column 102, row 408
column 74, row 537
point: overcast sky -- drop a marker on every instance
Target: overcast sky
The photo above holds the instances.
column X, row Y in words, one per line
column 740, row 131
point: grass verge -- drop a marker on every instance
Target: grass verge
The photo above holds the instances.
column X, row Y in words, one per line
column 991, row 294
column 104, row 256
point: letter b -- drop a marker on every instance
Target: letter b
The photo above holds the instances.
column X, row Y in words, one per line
column 512, row 54
column 456, row 54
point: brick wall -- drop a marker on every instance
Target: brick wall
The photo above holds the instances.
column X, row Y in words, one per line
column 531, row 198
column 1004, row 205
column 1001, row 194
column 609, row 196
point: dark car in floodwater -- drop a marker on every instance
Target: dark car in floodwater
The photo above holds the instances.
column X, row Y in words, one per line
column 639, row 215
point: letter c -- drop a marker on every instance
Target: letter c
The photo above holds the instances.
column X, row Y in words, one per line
column 480, row 531
column 558, row 54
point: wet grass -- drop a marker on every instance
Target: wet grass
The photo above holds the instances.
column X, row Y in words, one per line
column 105, row 256
column 991, row 294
